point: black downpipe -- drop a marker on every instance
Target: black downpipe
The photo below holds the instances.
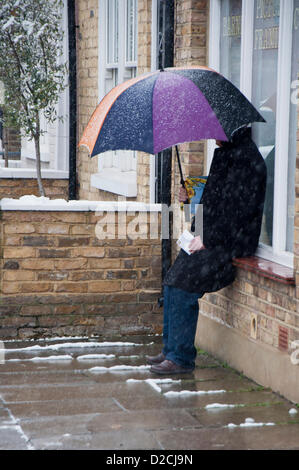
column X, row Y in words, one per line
column 72, row 99
column 165, row 59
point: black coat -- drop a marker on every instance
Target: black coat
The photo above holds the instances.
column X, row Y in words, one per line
column 233, row 201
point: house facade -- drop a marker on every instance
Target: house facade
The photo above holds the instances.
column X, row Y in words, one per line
column 252, row 324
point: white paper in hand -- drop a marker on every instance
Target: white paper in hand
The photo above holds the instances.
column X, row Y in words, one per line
column 184, row 241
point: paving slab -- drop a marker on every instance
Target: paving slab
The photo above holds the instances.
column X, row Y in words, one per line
column 66, row 392
column 117, row 440
column 63, row 407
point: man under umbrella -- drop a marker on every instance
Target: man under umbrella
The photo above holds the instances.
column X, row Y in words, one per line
column 233, row 201
column 155, row 111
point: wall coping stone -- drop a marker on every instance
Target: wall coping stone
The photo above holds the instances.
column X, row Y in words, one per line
column 34, row 203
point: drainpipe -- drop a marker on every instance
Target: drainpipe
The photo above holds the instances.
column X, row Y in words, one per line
column 165, row 59
column 72, row 98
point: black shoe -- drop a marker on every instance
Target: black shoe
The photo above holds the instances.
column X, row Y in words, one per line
column 155, row 359
column 168, row 367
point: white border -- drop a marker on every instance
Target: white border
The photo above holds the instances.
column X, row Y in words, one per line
column 154, row 27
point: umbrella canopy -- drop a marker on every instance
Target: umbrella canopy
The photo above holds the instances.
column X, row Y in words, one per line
column 157, row 110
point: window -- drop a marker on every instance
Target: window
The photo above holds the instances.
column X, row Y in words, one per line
column 117, row 63
column 254, row 43
column 54, row 144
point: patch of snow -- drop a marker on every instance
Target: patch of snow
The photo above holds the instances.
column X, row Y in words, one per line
column 28, row 26
column 118, row 368
column 66, row 357
column 54, row 338
column 86, row 344
column 32, row 202
column 158, row 381
column 154, row 382
column 8, row 23
column 44, row 359
column 249, row 423
column 215, row 406
column 95, row 357
column 128, row 357
column 168, row 381
column 249, row 420
column 154, row 385
column 186, row 393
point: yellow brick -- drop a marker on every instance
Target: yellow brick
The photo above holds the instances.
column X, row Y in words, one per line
column 38, row 264
column 19, row 252
column 16, row 275
column 10, row 287
column 104, row 286
column 60, row 229
column 70, row 263
column 71, row 287
column 88, row 252
column 19, row 228
column 33, row 287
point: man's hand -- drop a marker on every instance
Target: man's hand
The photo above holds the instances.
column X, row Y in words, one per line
column 196, row 245
column 183, row 196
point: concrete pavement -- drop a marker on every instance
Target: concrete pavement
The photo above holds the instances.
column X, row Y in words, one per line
column 98, row 393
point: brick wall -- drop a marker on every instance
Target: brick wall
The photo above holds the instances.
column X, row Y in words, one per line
column 17, row 187
column 59, row 278
column 273, row 303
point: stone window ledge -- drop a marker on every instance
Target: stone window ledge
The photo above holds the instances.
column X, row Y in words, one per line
column 269, row 269
column 115, row 181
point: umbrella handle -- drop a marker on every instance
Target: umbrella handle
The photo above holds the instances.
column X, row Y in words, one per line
column 181, row 172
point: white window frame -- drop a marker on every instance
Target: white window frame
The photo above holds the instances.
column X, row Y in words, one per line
column 277, row 252
column 54, row 144
column 154, row 66
column 116, row 170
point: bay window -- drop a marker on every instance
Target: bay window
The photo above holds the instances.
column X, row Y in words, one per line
column 254, row 43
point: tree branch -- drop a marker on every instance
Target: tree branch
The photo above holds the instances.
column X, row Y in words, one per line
column 18, row 61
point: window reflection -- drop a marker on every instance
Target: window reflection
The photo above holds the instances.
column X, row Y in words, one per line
column 230, row 40
column 264, row 85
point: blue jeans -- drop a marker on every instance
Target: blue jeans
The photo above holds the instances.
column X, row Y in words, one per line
column 179, row 326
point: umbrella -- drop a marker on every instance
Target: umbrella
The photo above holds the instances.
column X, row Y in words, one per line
column 158, row 110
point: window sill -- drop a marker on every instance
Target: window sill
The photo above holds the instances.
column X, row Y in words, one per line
column 31, row 173
column 115, row 181
column 269, row 269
